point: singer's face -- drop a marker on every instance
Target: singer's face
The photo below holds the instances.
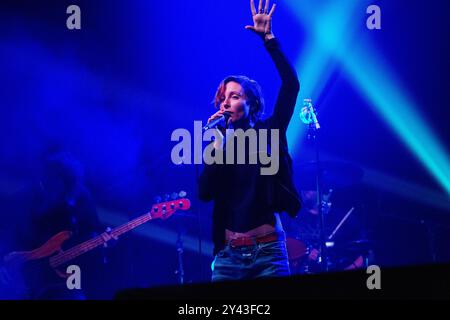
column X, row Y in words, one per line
column 234, row 101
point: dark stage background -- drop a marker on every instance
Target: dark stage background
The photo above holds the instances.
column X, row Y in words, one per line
column 112, row 93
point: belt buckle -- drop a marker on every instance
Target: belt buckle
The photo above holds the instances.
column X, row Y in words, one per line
column 232, row 243
column 240, row 242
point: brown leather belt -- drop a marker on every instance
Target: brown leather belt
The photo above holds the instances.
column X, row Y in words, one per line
column 250, row 241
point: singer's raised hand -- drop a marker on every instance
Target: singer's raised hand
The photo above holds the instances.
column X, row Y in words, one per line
column 262, row 20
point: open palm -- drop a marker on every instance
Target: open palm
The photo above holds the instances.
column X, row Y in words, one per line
column 262, row 19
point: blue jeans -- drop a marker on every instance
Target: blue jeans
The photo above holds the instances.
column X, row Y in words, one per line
column 251, row 262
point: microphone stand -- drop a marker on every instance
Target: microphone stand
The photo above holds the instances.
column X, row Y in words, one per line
column 180, row 270
column 313, row 134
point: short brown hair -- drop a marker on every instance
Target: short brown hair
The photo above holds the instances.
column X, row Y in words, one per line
column 252, row 92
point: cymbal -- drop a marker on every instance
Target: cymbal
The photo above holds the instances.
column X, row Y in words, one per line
column 334, row 174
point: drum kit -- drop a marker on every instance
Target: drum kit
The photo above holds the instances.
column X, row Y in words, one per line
column 311, row 241
column 313, row 246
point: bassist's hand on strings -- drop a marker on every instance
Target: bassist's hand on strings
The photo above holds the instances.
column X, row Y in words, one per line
column 109, row 237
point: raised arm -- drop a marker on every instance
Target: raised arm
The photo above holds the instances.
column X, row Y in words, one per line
column 290, row 85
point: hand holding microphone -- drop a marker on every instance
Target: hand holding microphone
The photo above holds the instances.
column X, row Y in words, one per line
column 219, row 117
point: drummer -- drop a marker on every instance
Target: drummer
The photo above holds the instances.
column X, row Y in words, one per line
column 303, row 236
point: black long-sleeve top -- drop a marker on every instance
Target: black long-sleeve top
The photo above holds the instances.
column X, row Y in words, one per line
column 243, row 198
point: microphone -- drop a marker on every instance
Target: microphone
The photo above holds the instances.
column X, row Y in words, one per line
column 308, row 114
column 224, row 117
